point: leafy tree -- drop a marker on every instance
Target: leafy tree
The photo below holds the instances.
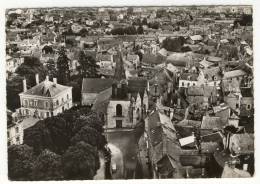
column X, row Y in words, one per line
column 47, row 166
column 63, row 67
column 91, row 136
column 20, row 161
column 52, row 71
column 29, row 68
column 144, row 21
column 83, row 32
column 174, row 44
column 13, row 88
column 80, row 162
column 154, row 25
column 140, row 30
column 130, row 30
column 88, row 66
column 130, row 10
column 52, row 133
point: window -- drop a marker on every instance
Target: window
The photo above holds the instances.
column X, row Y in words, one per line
column 182, row 83
column 51, row 114
column 35, row 103
column 188, row 84
column 248, row 107
column 47, row 104
column 68, row 96
column 193, row 84
column 63, row 109
column 17, row 130
column 25, row 103
column 47, row 114
column 8, row 134
column 237, row 105
column 57, row 102
column 118, row 123
column 215, row 83
column 118, row 110
column 18, row 140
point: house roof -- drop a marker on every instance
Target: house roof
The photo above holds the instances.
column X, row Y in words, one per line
column 29, row 122
column 206, row 63
column 187, row 122
column 195, row 91
column 242, row 143
column 234, row 73
column 196, row 37
column 210, row 122
column 213, row 137
column 210, row 72
column 187, row 140
column 189, row 76
column 95, row 85
column 46, row 89
column 229, row 172
column 102, row 100
column 214, row 59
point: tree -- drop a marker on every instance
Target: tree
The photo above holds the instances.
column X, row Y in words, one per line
column 13, row 88
column 51, row 133
column 52, row 71
column 144, row 21
column 174, row 44
column 80, row 162
column 90, row 136
column 88, row 67
column 63, row 67
column 20, row 161
column 29, row 68
column 47, row 166
column 140, row 30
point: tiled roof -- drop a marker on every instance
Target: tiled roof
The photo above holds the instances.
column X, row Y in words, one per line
column 95, row 85
column 46, row 89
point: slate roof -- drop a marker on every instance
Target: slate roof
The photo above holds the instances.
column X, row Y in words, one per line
column 102, row 100
column 46, row 89
column 209, row 122
column 95, row 85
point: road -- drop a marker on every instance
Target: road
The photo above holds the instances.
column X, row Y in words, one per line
column 124, row 148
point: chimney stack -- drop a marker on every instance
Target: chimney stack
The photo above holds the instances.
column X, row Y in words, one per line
column 55, row 80
column 24, row 85
column 47, row 78
column 37, row 78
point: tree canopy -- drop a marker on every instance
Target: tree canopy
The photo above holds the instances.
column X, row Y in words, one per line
column 63, row 67
column 80, row 162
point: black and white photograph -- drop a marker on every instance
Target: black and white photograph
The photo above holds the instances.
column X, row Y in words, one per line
column 129, row 92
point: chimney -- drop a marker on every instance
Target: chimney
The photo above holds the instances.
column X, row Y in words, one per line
column 55, row 80
column 47, row 78
column 37, row 78
column 245, row 167
column 178, row 102
column 24, row 85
